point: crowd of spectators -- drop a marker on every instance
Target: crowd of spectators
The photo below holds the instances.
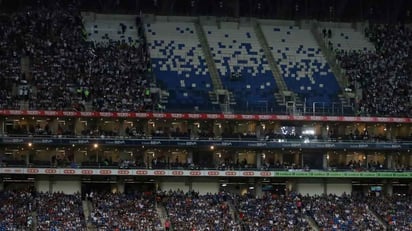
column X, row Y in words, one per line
column 191, row 211
column 15, row 210
column 396, row 210
column 58, row 211
column 346, row 212
column 125, row 212
column 382, row 75
column 22, row 209
column 66, row 71
column 271, row 212
column 10, row 67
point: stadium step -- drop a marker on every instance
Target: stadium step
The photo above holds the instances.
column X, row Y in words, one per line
column 34, row 220
column 330, row 57
column 379, row 218
column 214, row 75
column 280, row 82
column 312, row 223
column 161, row 211
column 86, row 211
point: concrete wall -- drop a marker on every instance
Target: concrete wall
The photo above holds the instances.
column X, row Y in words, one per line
column 339, row 188
column 66, row 186
column 311, row 188
column 174, row 184
column 205, row 187
column 42, row 185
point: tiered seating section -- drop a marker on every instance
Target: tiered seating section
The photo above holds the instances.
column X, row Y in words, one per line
column 57, row 211
column 302, row 64
column 271, row 211
column 347, row 39
column 124, row 212
column 107, row 29
column 15, row 211
column 192, row 211
column 346, row 212
column 383, row 75
column 236, row 51
column 10, row 68
column 396, row 210
column 179, row 64
column 66, row 71
column 103, row 65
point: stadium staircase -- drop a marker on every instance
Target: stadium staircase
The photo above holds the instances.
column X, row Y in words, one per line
column 302, row 66
column 233, row 212
column 218, row 93
column 283, row 95
column 242, row 65
column 179, row 64
column 378, row 218
column 161, row 211
column 25, row 69
column 330, row 57
column 86, row 211
column 312, row 223
column 34, row 224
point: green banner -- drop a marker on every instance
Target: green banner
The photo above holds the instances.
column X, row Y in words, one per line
column 344, row 174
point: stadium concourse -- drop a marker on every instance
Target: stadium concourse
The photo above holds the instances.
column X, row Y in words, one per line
column 56, row 58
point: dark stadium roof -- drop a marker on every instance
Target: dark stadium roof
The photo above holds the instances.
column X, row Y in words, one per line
column 387, row 11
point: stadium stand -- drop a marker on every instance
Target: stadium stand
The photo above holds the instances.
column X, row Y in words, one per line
column 242, row 66
column 109, row 28
column 282, row 212
column 57, row 211
column 382, row 75
column 347, row 39
column 191, row 211
column 67, row 72
column 11, row 53
column 15, row 210
column 396, row 210
column 124, row 212
column 302, row 64
column 179, row 64
column 345, row 212
column 56, row 54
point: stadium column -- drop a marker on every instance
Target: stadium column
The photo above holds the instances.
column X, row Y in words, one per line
column 189, row 158
column 388, row 160
column 387, row 187
column 259, row 157
column 120, row 186
column 258, row 188
column 121, row 128
column 325, row 163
